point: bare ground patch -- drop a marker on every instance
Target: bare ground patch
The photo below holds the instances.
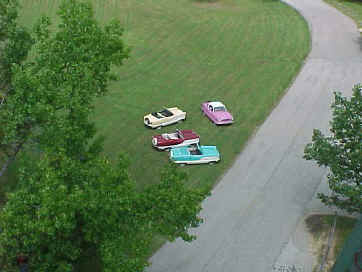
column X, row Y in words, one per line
column 319, row 227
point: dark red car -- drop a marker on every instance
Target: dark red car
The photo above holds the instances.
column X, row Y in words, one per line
column 179, row 138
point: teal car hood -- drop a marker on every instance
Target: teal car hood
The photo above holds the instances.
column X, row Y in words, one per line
column 209, row 151
column 182, row 153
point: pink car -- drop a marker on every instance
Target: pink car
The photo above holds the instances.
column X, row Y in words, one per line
column 217, row 113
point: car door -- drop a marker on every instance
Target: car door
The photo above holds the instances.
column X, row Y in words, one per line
column 168, row 119
column 174, row 141
column 196, row 154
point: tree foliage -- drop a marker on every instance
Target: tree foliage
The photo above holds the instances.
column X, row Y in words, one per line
column 341, row 152
column 15, row 42
column 53, row 93
column 65, row 206
column 72, row 199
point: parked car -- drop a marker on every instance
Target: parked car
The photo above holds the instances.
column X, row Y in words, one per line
column 194, row 154
column 217, row 113
column 165, row 117
column 179, row 138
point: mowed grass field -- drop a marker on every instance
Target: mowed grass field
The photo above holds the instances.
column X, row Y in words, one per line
column 244, row 53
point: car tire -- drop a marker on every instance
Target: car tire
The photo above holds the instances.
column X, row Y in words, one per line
column 182, row 164
column 211, row 163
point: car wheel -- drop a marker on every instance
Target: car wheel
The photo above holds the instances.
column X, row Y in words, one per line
column 158, row 127
column 211, row 163
column 182, row 164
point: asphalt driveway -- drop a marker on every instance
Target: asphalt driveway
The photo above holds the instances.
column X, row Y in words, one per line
column 255, row 208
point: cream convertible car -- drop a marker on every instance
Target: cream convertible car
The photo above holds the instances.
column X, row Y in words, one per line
column 164, row 117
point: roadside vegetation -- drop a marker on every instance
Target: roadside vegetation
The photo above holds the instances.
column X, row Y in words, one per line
column 319, row 227
column 351, row 8
column 341, row 152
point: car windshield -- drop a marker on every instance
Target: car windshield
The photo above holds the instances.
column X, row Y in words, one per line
column 194, row 150
column 166, row 113
column 157, row 115
column 220, row 108
column 180, row 135
column 173, row 136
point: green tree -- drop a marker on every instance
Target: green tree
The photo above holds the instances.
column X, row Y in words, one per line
column 54, row 92
column 341, row 152
column 15, row 43
column 65, row 206
column 72, row 199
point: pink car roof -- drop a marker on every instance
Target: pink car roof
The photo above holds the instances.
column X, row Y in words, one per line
column 216, row 104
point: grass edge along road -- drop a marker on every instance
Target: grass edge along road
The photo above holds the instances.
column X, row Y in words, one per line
column 351, row 8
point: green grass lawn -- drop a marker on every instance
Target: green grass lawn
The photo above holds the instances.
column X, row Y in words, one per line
column 351, row 8
column 242, row 52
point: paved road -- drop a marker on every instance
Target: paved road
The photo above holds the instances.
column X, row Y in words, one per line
column 256, row 207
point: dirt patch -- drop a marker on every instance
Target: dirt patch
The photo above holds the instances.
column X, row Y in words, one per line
column 319, row 227
column 316, row 225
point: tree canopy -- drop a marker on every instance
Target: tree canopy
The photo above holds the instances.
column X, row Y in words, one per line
column 65, row 206
column 71, row 198
column 341, row 152
column 52, row 93
column 15, row 42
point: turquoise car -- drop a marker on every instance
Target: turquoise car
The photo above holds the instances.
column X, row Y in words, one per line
column 194, row 154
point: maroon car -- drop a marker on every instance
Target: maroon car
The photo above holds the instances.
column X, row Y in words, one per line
column 166, row 141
